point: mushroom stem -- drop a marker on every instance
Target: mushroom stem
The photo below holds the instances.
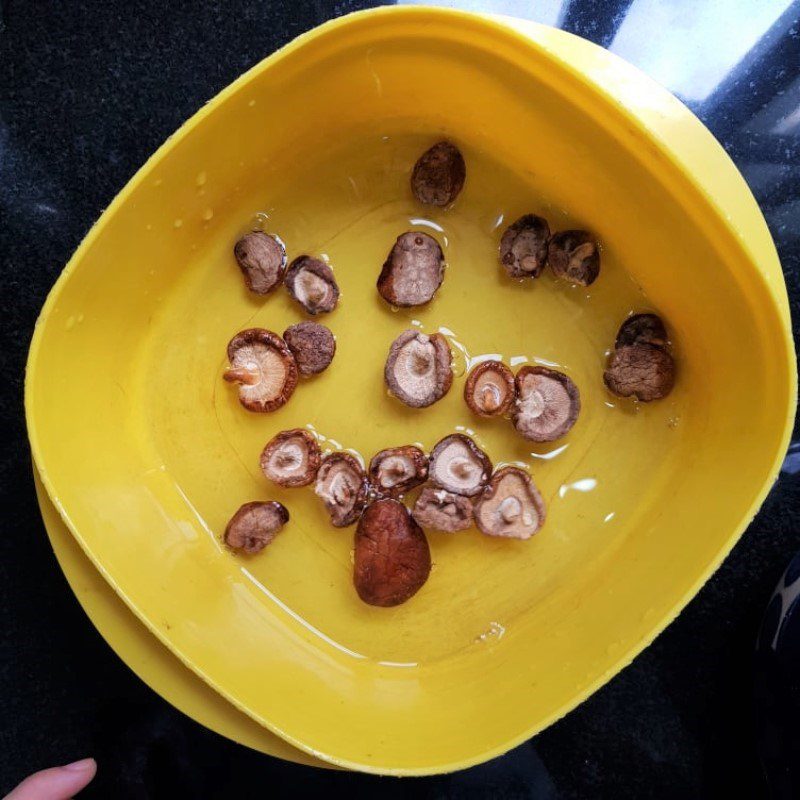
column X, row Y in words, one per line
column 490, row 397
column 510, row 509
column 249, row 377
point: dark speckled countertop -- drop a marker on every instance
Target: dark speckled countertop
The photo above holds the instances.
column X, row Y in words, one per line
column 87, row 91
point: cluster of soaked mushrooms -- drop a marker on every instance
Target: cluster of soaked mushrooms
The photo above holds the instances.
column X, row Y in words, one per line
column 392, row 557
column 262, row 260
column 414, row 268
column 527, row 247
column 543, row 403
column 266, row 366
column 641, row 365
column 459, row 487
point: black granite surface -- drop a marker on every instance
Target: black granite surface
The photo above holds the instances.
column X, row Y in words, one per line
column 87, row 92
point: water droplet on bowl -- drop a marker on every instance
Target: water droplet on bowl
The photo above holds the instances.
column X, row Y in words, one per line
column 493, row 632
column 201, row 178
column 208, row 214
column 177, row 223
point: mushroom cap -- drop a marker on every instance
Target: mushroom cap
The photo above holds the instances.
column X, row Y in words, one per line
column 459, row 466
column 418, row 369
column 255, row 525
column 547, row 404
column 291, row 458
column 642, row 329
column 510, row 506
column 574, row 256
column 343, row 487
column 523, row 247
column 262, row 259
column 489, row 390
column 392, row 559
column 439, row 174
column 397, row 469
column 642, row 371
column 413, row 270
column 264, row 368
column 313, row 346
column 442, row 510
column 311, row 282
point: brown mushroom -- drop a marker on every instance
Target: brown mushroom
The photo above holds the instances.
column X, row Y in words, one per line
column 459, row 466
column 311, row 282
column 442, row 510
column 413, row 270
column 264, row 368
column 439, row 175
column 642, row 329
column 255, row 525
column 489, row 390
column 418, row 369
column 396, row 470
column 510, row 506
column 291, row 458
column 547, row 405
column 392, row 559
column 313, row 346
column 343, row 487
column 575, row 256
column 641, row 371
column 262, row 259
column 523, row 247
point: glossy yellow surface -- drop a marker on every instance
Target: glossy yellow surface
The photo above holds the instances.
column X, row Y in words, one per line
column 146, row 453
column 146, row 656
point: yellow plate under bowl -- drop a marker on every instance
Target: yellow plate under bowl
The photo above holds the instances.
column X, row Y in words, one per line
column 146, row 656
column 146, row 453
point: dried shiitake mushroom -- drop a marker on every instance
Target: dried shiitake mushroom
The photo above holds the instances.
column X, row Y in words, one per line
column 439, row 175
column 575, row 256
column 523, row 247
column 313, row 346
column 459, row 466
column 264, row 368
column 396, row 470
column 547, row 405
column 489, row 390
column 418, row 368
column 642, row 329
column 392, row 558
column 343, row 487
column 510, row 506
column 442, row 510
column 413, row 270
column 255, row 525
column 291, row 458
column 311, row 282
column 642, row 371
column 262, row 259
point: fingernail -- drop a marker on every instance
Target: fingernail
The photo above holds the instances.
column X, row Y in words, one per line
column 80, row 766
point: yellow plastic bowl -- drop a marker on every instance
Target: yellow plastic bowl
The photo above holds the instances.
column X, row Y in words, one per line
column 146, row 453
